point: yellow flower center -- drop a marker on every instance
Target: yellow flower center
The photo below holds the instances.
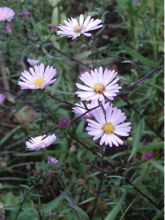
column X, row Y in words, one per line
column 39, row 82
column 99, row 88
column 78, row 28
column 108, row 128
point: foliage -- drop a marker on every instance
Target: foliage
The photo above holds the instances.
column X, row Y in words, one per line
column 84, row 184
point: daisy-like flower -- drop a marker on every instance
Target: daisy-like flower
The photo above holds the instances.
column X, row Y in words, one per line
column 32, row 62
column 73, row 28
column 84, row 110
column 6, row 14
column 37, row 77
column 99, row 84
column 40, row 142
column 52, row 160
column 2, row 98
column 108, row 124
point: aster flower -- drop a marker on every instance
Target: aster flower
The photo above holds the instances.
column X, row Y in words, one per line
column 84, row 110
column 99, row 84
column 53, row 27
column 8, row 28
column 40, row 142
column 2, row 98
column 32, row 62
column 24, row 14
column 148, row 155
column 64, row 122
column 52, row 160
column 6, row 14
column 73, row 28
column 37, row 77
column 107, row 124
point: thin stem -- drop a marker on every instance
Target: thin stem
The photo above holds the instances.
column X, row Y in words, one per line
column 100, row 184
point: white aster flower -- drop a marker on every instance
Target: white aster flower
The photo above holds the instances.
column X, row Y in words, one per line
column 37, row 77
column 108, row 124
column 73, row 27
column 52, row 160
column 6, row 14
column 40, row 142
column 32, row 62
column 99, row 84
column 84, row 110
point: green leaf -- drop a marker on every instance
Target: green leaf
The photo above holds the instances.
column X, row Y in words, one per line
column 151, row 147
column 157, row 165
column 139, row 57
column 46, row 208
column 115, row 211
column 137, row 133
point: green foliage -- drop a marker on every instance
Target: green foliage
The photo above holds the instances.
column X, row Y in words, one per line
column 131, row 41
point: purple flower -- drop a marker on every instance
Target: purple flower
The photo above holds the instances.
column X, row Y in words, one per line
column 8, row 28
column 6, row 14
column 73, row 147
column 53, row 28
column 24, row 14
column 52, row 160
column 2, row 98
column 148, row 155
column 64, row 122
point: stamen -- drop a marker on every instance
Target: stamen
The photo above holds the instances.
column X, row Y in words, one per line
column 39, row 82
column 78, row 28
column 108, row 128
column 99, row 88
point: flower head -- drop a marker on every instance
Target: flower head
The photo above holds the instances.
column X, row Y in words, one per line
column 40, row 142
column 6, row 14
column 73, row 147
column 32, row 62
column 24, row 14
column 53, row 27
column 64, row 122
column 37, row 77
column 2, row 98
column 8, row 28
column 99, row 84
column 147, row 155
column 84, row 111
column 73, row 28
column 108, row 124
column 52, row 160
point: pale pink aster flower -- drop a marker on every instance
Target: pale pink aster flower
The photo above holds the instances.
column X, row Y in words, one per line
column 52, row 160
column 73, row 148
column 80, row 109
column 73, row 27
column 99, row 84
column 6, row 14
column 40, row 142
column 108, row 124
column 32, row 62
column 37, row 77
column 2, row 98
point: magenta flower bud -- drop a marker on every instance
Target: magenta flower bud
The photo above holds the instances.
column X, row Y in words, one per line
column 73, row 147
column 148, row 155
column 53, row 28
column 24, row 14
column 8, row 28
column 52, row 160
column 64, row 122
